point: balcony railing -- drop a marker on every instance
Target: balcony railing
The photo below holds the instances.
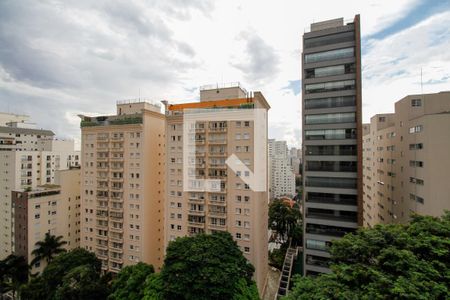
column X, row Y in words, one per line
column 332, row 217
column 197, row 212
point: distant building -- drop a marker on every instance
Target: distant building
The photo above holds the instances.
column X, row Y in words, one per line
column 407, row 161
column 122, row 184
column 295, row 160
column 332, row 137
column 29, row 157
column 52, row 208
column 282, row 177
column 201, row 154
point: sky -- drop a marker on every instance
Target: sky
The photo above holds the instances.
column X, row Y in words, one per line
column 59, row 59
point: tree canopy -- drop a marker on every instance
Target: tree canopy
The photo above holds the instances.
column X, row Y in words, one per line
column 129, row 283
column 72, row 274
column 285, row 220
column 386, row 262
column 206, row 266
column 13, row 273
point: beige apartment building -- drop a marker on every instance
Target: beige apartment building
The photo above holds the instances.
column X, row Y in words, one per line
column 406, row 160
column 198, row 153
column 122, row 184
column 29, row 157
column 52, row 208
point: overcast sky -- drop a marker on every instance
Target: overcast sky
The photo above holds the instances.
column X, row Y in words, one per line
column 62, row 58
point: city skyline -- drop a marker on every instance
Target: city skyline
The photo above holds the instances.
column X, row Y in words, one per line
column 83, row 58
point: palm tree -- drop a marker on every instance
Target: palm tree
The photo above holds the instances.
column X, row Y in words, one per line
column 48, row 248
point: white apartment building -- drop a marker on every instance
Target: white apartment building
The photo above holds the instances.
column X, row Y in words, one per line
column 29, row 157
column 282, row 177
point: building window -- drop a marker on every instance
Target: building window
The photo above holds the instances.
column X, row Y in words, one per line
column 416, row 102
column 329, row 55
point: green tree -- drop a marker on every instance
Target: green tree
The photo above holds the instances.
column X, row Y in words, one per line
column 48, row 248
column 386, row 262
column 153, row 287
column 78, row 268
column 13, row 274
column 82, row 282
column 128, row 285
column 207, row 266
column 286, row 221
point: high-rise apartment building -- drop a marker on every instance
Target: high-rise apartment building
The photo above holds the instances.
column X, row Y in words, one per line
column 122, row 185
column 282, row 177
column 332, row 137
column 406, row 160
column 52, row 208
column 28, row 157
column 201, row 138
column 295, row 160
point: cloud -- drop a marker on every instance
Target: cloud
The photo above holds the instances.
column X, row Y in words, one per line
column 260, row 61
column 295, row 86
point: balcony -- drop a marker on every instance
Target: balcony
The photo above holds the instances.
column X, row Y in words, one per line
column 116, row 259
column 101, row 256
column 102, row 217
column 103, row 138
column 117, row 188
column 102, row 178
column 197, row 212
column 102, row 207
column 217, row 142
column 102, row 188
column 217, row 227
column 101, row 246
column 116, row 179
column 102, row 159
column 117, row 138
column 196, row 224
column 116, row 229
column 101, row 227
column 117, row 168
column 101, row 237
column 331, row 217
column 218, row 166
column 196, row 200
column 116, row 239
column 114, row 269
column 116, row 200
column 102, row 197
column 116, row 149
column 102, row 168
column 218, row 129
column 199, row 153
column 217, row 202
column 200, row 141
column 215, row 213
column 218, row 154
column 116, row 209
column 115, row 249
column 116, row 158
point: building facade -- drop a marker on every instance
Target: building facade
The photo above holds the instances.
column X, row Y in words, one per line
column 282, row 177
column 52, row 208
column 406, row 160
column 197, row 155
column 332, row 137
column 122, row 184
column 28, row 157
